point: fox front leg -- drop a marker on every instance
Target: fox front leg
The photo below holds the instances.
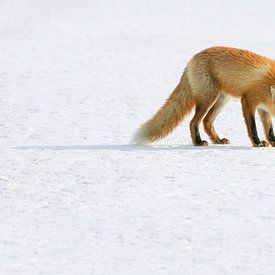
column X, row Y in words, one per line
column 249, row 116
column 268, row 127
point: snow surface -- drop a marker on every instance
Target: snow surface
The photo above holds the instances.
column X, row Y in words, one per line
column 77, row 78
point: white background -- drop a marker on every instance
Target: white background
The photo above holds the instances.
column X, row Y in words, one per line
column 77, row 78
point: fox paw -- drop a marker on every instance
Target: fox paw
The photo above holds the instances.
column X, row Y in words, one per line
column 201, row 143
column 262, row 143
column 272, row 143
column 222, row 141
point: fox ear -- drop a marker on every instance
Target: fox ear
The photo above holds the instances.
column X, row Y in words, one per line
column 273, row 92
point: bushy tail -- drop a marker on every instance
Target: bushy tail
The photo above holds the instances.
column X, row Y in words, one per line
column 176, row 107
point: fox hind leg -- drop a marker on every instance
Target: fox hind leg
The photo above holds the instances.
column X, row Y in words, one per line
column 210, row 117
column 202, row 108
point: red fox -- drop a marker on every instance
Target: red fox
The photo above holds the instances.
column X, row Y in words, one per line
column 210, row 78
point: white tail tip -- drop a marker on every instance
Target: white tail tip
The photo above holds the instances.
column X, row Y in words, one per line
column 139, row 138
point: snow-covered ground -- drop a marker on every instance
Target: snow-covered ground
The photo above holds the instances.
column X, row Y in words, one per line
column 76, row 80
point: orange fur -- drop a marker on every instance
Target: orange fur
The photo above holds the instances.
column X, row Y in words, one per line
column 209, row 78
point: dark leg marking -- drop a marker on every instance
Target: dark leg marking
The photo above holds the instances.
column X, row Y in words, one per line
column 253, row 129
column 271, row 134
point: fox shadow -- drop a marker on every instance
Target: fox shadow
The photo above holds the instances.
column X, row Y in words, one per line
column 135, row 148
